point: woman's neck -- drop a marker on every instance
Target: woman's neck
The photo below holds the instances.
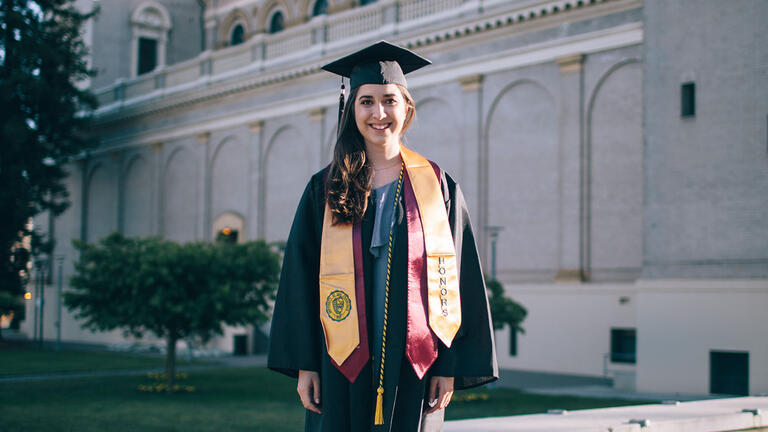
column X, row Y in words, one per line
column 385, row 162
column 380, row 156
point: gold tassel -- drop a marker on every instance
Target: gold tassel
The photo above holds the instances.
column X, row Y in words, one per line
column 378, row 419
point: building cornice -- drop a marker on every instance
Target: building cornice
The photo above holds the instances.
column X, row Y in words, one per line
column 531, row 16
column 527, row 17
column 615, row 37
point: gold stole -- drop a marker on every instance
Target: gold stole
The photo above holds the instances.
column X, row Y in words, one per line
column 338, row 309
column 442, row 274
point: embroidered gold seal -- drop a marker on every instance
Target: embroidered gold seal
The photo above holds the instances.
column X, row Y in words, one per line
column 338, row 305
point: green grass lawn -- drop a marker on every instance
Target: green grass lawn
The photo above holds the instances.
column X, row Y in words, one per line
column 22, row 360
column 223, row 400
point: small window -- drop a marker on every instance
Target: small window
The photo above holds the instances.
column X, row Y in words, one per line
column 366, row 2
column 238, row 35
column 688, row 100
column 147, row 55
column 513, row 342
column 624, row 346
column 729, row 373
column 277, row 23
column 321, row 7
column 227, row 235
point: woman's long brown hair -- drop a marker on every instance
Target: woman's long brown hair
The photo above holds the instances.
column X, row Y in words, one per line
column 350, row 175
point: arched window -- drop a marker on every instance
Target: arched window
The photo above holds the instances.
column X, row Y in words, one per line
column 150, row 24
column 276, row 23
column 238, row 35
column 321, row 7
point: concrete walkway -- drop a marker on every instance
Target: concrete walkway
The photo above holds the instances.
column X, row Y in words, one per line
column 607, row 392
column 733, row 414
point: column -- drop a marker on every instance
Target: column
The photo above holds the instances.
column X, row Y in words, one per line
column 475, row 182
column 317, row 120
column 83, row 166
column 117, row 160
column 389, row 18
column 204, row 209
column 158, row 188
column 257, row 127
column 211, row 30
column 570, row 266
column 254, row 216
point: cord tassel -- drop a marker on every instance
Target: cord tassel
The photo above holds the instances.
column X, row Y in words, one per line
column 378, row 419
column 341, row 107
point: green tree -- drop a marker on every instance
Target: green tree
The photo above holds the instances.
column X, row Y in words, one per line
column 42, row 59
column 504, row 310
column 172, row 290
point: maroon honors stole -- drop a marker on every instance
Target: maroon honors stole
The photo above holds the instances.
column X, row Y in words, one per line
column 442, row 273
column 433, row 286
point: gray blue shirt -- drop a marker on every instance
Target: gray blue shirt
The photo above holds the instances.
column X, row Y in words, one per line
column 383, row 198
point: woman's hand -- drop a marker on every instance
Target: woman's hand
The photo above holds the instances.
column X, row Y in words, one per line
column 440, row 392
column 309, row 390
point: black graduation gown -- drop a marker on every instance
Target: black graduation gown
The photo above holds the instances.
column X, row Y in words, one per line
column 297, row 341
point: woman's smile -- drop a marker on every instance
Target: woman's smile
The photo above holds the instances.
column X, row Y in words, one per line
column 380, row 126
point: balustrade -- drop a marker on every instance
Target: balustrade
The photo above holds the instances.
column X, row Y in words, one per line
column 335, row 28
column 237, row 57
column 182, row 73
column 352, row 24
column 226, row 4
column 414, row 9
column 288, row 41
column 107, row 95
column 140, row 86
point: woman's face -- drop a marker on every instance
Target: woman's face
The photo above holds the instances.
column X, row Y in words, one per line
column 380, row 112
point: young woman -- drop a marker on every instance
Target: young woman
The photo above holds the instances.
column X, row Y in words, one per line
column 381, row 311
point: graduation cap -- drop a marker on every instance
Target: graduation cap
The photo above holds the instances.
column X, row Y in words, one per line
column 380, row 63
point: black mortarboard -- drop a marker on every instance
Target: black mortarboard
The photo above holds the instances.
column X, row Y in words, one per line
column 380, row 63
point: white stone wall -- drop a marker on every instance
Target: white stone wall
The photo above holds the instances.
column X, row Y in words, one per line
column 706, row 176
column 137, row 192
column 523, row 161
column 681, row 321
column 568, row 327
column 289, row 158
column 112, row 48
column 181, row 196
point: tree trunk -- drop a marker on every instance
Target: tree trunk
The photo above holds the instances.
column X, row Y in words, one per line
column 170, row 363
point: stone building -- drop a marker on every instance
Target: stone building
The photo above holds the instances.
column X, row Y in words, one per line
column 613, row 154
